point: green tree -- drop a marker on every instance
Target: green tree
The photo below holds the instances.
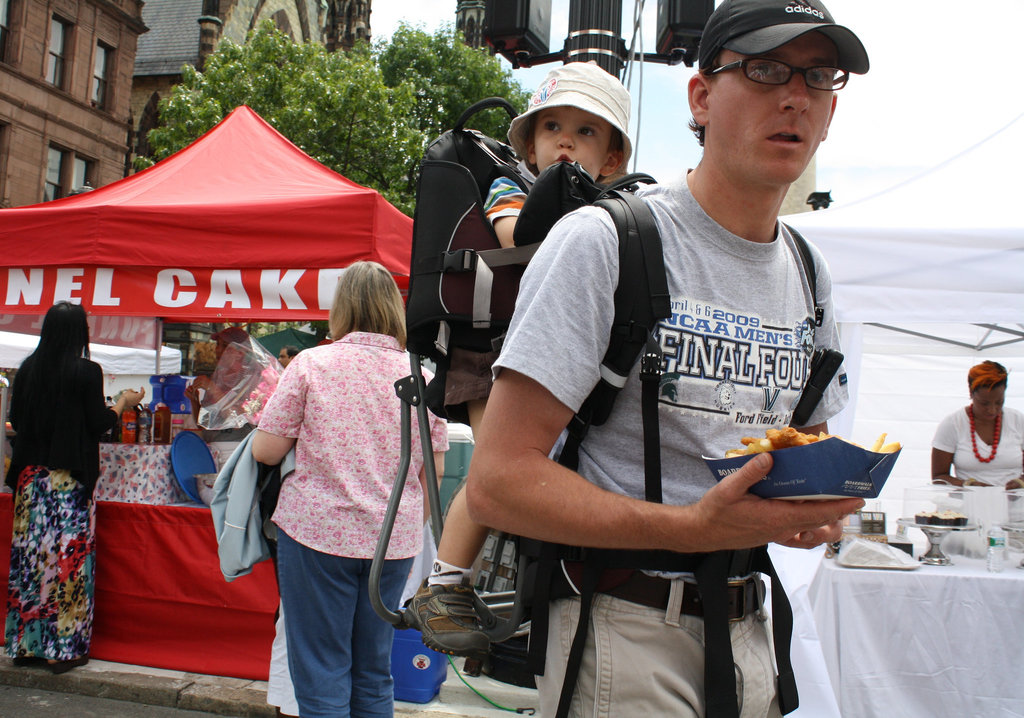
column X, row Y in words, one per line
column 367, row 113
column 334, row 106
column 448, row 76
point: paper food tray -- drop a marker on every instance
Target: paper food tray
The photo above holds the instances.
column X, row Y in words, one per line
column 827, row 469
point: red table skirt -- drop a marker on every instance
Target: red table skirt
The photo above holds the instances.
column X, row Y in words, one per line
column 161, row 600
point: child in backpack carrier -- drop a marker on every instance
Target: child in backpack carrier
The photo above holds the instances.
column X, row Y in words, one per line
column 580, row 113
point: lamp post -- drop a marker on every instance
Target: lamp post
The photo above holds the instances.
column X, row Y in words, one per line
column 595, row 28
column 519, row 31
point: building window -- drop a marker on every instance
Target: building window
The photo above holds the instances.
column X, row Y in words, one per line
column 5, row 28
column 81, row 174
column 67, row 174
column 55, row 66
column 4, row 133
column 53, row 188
column 100, row 72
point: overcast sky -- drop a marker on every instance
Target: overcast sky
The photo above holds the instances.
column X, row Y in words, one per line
column 944, row 75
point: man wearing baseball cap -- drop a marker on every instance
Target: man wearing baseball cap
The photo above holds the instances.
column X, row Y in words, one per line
column 677, row 638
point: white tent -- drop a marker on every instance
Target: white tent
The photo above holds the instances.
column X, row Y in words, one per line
column 115, row 360
column 945, row 246
column 928, row 279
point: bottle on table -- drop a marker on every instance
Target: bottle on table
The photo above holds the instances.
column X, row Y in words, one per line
column 129, row 425
column 996, row 548
column 110, row 435
column 177, row 424
column 145, row 423
column 162, row 424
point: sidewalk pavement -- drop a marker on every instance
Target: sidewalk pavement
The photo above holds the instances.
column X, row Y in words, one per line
column 243, row 698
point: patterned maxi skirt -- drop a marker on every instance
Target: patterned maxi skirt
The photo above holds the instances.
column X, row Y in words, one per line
column 53, row 557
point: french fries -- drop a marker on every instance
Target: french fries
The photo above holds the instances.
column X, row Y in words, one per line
column 880, row 447
column 789, row 437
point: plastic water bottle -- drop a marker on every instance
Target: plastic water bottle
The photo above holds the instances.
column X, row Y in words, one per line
column 996, row 548
column 145, row 423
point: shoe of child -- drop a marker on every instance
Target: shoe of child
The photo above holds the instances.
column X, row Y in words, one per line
column 447, row 620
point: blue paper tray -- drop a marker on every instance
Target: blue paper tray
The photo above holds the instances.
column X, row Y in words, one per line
column 827, row 469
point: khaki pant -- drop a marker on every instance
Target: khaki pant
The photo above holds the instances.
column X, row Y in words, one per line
column 640, row 662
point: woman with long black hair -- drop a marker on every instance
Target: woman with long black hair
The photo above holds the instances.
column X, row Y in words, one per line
column 58, row 414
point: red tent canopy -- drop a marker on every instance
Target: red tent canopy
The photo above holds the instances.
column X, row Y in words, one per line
column 239, row 225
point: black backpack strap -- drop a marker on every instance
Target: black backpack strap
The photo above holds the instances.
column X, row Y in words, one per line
column 782, row 631
column 591, row 574
column 641, row 298
column 719, row 675
column 712, row 577
column 809, row 271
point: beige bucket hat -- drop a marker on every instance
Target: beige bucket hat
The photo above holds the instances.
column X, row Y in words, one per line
column 583, row 85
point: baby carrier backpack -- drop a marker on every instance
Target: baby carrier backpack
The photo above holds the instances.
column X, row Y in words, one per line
column 462, row 283
column 456, row 296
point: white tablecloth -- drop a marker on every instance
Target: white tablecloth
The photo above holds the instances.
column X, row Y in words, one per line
column 932, row 642
column 796, row 569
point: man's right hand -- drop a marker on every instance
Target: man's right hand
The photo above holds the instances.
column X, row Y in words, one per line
column 737, row 517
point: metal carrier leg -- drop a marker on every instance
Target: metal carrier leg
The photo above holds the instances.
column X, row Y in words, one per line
column 500, row 613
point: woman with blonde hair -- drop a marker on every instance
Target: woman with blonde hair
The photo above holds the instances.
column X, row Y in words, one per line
column 337, row 406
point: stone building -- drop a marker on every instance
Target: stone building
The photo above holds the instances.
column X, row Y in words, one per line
column 469, row 18
column 187, row 31
column 65, row 83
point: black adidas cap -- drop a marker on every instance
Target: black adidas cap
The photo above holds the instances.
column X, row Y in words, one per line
column 752, row 27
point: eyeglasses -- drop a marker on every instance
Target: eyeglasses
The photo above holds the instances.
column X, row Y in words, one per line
column 774, row 72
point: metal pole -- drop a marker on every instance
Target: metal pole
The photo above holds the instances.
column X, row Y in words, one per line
column 595, row 29
column 158, row 341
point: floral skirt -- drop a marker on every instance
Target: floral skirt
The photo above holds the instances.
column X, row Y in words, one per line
column 53, row 558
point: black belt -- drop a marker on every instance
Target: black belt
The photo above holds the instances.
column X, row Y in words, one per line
column 745, row 596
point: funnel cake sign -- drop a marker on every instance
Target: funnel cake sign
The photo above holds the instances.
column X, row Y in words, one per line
column 201, row 294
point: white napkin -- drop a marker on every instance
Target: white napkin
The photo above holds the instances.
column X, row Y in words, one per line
column 872, row 554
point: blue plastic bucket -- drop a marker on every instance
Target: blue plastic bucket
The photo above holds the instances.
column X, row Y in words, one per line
column 418, row 671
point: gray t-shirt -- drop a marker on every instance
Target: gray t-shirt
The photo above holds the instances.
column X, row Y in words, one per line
column 737, row 346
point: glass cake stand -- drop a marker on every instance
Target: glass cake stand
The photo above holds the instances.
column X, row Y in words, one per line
column 1018, row 530
column 935, row 534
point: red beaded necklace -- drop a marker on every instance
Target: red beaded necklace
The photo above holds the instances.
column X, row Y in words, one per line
column 974, row 436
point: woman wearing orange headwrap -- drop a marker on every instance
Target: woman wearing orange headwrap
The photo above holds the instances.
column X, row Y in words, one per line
column 984, row 442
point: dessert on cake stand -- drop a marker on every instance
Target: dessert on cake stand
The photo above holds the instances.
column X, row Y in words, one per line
column 936, row 534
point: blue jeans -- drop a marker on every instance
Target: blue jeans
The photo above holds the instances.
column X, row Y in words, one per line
column 339, row 649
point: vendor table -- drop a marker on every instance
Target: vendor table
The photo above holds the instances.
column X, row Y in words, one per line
column 931, row 642
column 139, row 474
column 161, row 600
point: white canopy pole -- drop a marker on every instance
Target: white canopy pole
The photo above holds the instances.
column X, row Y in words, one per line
column 158, row 335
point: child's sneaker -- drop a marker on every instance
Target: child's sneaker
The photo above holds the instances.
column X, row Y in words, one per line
column 445, row 616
